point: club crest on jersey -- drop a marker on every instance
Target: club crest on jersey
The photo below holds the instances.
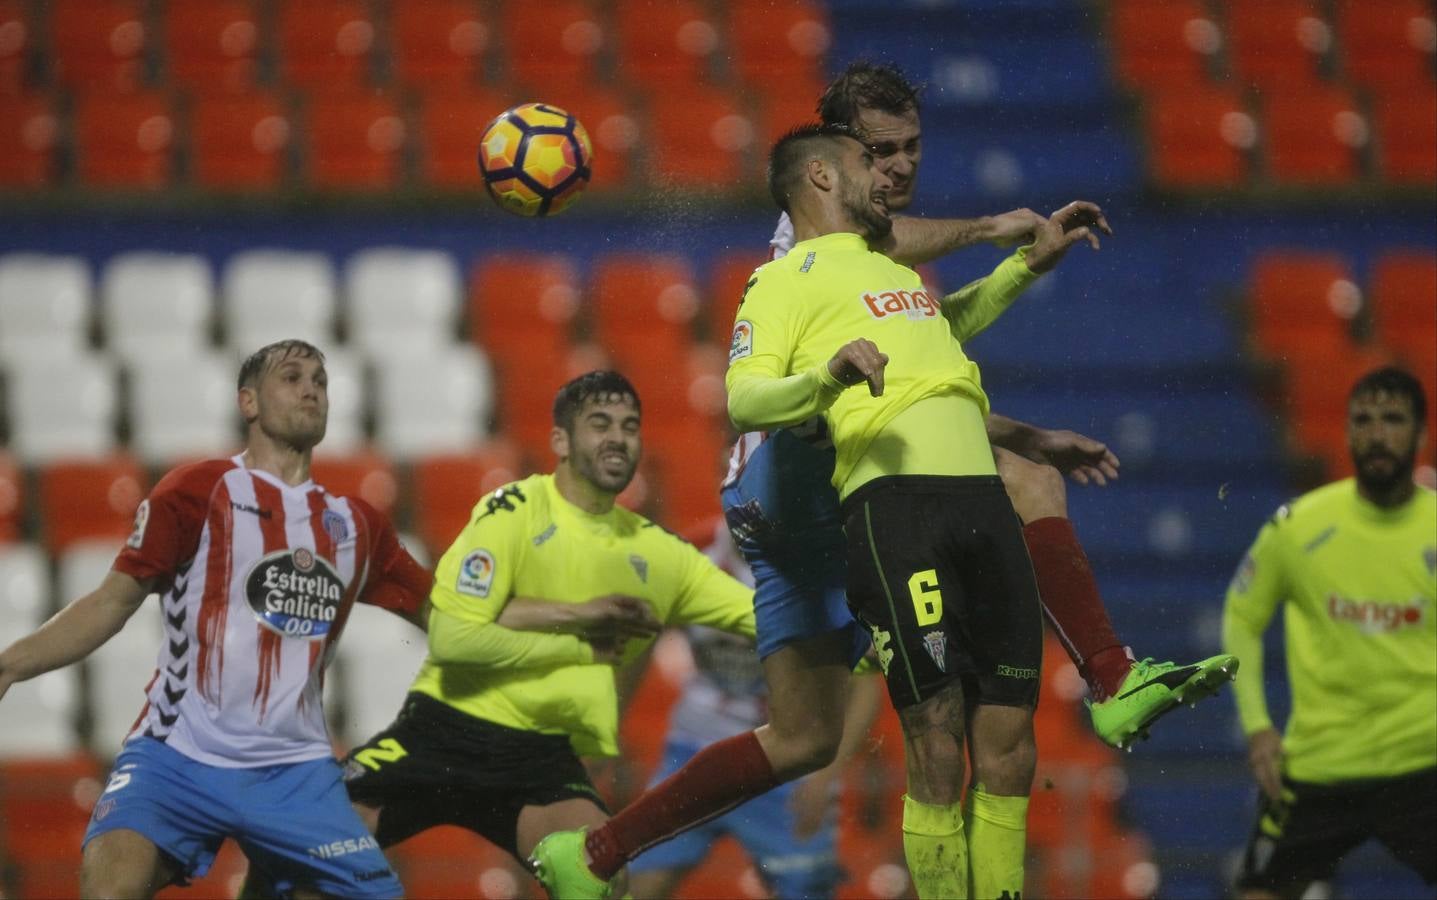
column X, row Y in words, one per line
column 142, row 519
column 295, row 593
column 916, row 305
column 936, row 643
column 335, row 526
column 476, row 573
column 742, row 343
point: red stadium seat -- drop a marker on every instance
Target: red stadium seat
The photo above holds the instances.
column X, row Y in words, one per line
column 1162, row 45
column 46, row 805
column 450, row 121
column 1302, row 302
column 1387, row 44
column 666, row 44
column 640, row 300
column 356, row 140
column 85, row 499
column 325, row 44
column 1316, row 402
column 366, row 475
column 552, row 44
column 12, row 498
column 1404, row 306
column 778, row 40
column 1407, row 135
column 98, row 44
column 783, row 107
column 17, row 36
column 520, row 302
column 1313, row 136
column 212, row 45
column 239, row 141
column 689, row 455
column 29, row 128
column 702, row 140
column 1198, row 138
column 124, row 140
column 447, row 487
column 1277, row 43
column 438, row 42
column 728, row 279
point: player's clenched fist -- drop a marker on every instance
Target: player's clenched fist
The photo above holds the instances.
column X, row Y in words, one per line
column 859, row 361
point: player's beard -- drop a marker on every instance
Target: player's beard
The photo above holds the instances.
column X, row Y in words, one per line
column 594, row 469
column 1380, row 470
column 874, row 225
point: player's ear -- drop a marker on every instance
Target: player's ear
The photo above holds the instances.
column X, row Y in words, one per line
column 248, row 402
column 820, row 173
column 559, row 442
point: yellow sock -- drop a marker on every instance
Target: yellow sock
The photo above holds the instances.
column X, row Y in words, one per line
column 997, row 841
column 934, row 847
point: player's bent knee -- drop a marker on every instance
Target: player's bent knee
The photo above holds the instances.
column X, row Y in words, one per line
column 1036, row 490
column 121, row 863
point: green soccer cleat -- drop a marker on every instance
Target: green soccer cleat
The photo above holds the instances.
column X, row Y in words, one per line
column 558, row 863
column 1151, row 691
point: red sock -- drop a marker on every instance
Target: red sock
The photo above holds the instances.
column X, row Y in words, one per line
column 1073, row 605
column 718, row 778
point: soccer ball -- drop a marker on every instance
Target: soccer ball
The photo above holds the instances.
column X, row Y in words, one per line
column 535, row 159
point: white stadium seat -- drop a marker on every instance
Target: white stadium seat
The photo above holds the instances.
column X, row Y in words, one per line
column 378, row 656
column 155, row 304
column 348, row 401
column 121, row 668
column 61, row 407
column 270, row 295
column 183, row 408
column 44, row 305
column 435, row 402
column 24, row 590
column 399, row 296
column 46, row 705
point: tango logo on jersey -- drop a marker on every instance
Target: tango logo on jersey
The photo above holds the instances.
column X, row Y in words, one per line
column 917, row 305
column 1374, row 617
column 742, row 344
column 476, row 573
column 295, row 593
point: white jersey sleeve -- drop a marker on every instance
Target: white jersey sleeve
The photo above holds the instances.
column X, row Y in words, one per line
column 782, row 240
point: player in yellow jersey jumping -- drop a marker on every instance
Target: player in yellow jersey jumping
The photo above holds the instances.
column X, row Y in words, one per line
column 516, row 689
column 1354, row 563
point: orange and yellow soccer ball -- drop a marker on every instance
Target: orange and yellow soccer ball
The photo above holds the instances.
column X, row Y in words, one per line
column 535, row 159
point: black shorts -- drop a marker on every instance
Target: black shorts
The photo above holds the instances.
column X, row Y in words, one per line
column 1302, row 839
column 939, row 573
column 438, row 766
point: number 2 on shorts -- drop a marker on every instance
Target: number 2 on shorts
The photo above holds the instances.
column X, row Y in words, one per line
column 927, row 598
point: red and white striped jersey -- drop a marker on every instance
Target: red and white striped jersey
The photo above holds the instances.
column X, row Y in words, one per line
column 256, row 580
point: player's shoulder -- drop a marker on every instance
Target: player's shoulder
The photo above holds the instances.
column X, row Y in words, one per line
column 514, row 500
column 195, row 479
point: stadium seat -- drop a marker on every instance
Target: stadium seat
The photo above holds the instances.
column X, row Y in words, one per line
column 1315, row 403
column 643, row 309
column 435, row 402
column 363, row 474
column 156, row 304
column 701, row 141
column 1407, row 135
column 239, row 141
column 24, row 590
column 663, row 44
column 17, row 36
column 522, row 305
column 29, row 128
column 1198, row 138
column 1302, row 302
column 1277, row 44
column 356, row 140
column 97, row 44
column 1404, row 305
column 213, row 45
column 447, row 486
column 44, row 305
column 449, row 121
column 124, row 140
column 61, row 407
column 440, row 42
column 1387, row 44
column 1313, row 136
column 269, row 295
column 525, row 391
column 690, row 457
column 552, row 44
column 1162, row 45
column 325, row 44
column 183, row 408
column 46, row 705
column 12, row 499
column 349, row 401
column 85, row 500
column 778, row 40
column 375, row 663
column 728, row 279
column 397, row 295
column 782, row 107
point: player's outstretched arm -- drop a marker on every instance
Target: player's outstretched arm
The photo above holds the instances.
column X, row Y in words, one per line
column 1078, row 221
column 75, row 631
column 487, row 645
column 914, row 241
column 1081, row 458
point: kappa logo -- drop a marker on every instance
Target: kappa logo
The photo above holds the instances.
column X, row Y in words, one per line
column 476, row 573
column 936, row 643
column 917, row 305
column 742, row 343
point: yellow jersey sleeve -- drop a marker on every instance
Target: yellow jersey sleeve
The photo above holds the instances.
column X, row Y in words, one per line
column 710, row 596
column 978, row 304
column 1252, row 597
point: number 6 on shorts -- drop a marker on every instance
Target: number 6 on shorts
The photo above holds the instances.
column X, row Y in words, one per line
column 927, row 598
